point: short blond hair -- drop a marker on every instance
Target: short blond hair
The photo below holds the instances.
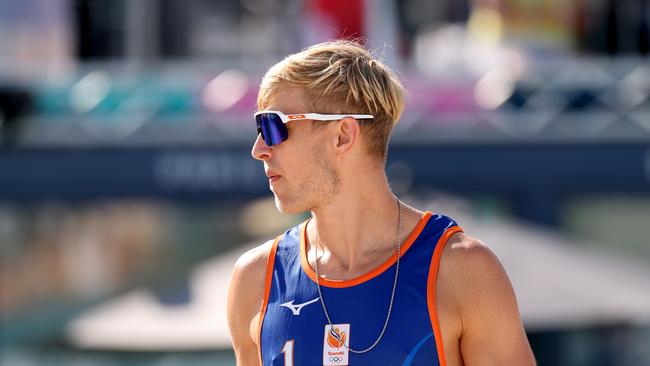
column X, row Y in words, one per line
column 342, row 77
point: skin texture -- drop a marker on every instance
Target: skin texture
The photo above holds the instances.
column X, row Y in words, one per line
column 325, row 170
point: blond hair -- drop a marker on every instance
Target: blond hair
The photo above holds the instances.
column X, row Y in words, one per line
column 341, row 77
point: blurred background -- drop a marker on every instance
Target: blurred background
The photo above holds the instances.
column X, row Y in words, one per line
column 127, row 189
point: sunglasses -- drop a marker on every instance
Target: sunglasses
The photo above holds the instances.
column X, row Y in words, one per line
column 271, row 123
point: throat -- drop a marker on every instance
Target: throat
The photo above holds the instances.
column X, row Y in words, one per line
column 332, row 268
column 352, row 251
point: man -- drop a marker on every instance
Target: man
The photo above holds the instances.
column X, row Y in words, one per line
column 367, row 280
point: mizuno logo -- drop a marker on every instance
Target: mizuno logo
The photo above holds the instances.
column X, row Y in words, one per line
column 295, row 309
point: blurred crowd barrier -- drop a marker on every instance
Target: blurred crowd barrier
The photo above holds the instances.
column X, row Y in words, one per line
column 562, row 101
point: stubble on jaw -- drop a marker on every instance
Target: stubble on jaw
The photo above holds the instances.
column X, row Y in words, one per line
column 328, row 181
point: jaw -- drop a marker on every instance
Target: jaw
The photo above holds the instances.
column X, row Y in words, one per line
column 288, row 204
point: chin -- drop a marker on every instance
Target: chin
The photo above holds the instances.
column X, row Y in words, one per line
column 289, row 208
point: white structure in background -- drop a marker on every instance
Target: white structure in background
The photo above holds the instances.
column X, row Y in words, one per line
column 137, row 321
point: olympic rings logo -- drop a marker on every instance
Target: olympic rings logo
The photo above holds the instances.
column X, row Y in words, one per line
column 336, row 359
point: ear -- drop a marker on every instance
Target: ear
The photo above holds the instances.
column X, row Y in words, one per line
column 348, row 134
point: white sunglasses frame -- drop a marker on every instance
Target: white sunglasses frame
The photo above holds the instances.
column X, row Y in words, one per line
column 315, row 116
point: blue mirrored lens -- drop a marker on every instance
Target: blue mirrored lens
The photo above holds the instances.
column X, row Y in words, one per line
column 272, row 129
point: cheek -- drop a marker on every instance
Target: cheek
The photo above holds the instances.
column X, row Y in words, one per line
column 307, row 160
column 323, row 165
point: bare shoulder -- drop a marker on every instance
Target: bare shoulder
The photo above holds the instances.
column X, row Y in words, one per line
column 248, row 276
column 472, row 267
column 254, row 261
column 462, row 250
column 481, row 297
column 245, row 296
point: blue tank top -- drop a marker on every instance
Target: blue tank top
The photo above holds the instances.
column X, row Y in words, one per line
column 292, row 324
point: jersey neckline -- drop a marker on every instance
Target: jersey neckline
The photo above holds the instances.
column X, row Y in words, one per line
column 368, row 275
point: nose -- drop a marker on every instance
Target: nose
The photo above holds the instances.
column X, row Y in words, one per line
column 260, row 151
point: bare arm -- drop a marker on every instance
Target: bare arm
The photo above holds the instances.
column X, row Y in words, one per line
column 244, row 302
column 491, row 330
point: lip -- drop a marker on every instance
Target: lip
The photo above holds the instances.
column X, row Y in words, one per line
column 273, row 176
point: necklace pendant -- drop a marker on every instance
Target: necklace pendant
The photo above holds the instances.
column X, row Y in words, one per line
column 336, row 345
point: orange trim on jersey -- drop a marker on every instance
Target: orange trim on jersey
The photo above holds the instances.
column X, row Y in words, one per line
column 431, row 290
column 267, row 290
column 364, row 277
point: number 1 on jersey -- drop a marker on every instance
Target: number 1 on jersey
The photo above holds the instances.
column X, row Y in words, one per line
column 288, row 353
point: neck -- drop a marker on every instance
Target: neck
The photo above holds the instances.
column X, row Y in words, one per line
column 357, row 229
